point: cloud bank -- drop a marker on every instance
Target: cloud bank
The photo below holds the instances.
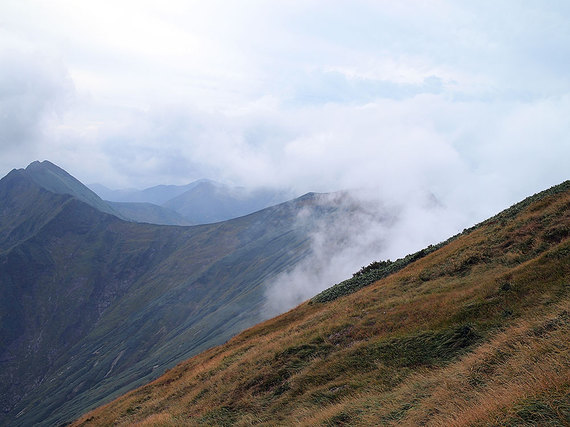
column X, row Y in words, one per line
column 466, row 101
column 368, row 225
column 313, row 95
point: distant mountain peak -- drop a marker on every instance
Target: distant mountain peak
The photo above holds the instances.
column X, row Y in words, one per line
column 53, row 178
column 43, row 164
column 158, row 194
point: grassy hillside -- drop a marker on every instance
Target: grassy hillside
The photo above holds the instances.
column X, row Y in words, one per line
column 474, row 332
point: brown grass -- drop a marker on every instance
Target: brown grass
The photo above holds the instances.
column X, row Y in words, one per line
column 475, row 333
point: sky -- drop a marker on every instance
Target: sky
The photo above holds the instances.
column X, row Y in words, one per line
column 469, row 101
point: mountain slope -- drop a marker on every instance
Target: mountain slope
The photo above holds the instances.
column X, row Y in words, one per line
column 25, row 208
column 56, row 180
column 91, row 306
column 474, row 332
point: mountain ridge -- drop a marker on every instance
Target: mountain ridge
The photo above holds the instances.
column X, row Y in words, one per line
column 56, row 180
column 201, row 202
column 216, row 202
column 157, row 194
column 92, row 305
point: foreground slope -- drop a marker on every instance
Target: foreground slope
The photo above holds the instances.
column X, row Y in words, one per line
column 92, row 306
column 474, row 332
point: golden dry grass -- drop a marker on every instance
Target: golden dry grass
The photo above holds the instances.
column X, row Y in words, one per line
column 476, row 333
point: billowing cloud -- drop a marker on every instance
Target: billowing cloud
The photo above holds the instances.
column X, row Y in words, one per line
column 204, row 87
column 466, row 101
column 369, row 225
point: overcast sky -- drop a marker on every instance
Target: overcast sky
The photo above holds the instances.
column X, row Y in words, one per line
column 469, row 100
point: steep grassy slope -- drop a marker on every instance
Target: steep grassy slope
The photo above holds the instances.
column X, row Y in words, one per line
column 472, row 333
column 92, row 306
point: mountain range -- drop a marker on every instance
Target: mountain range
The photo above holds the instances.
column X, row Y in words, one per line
column 200, row 202
column 92, row 305
column 156, row 195
column 473, row 331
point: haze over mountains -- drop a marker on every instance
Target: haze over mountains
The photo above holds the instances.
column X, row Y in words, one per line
column 156, row 195
column 200, row 202
column 92, row 305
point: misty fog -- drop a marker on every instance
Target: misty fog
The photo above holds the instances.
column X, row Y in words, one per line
column 367, row 226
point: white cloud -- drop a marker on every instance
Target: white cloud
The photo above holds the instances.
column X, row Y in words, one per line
column 370, row 225
column 464, row 101
column 34, row 92
column 314, row 95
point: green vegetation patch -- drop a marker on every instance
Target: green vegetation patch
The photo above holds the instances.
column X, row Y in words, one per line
column 424, row 348
column 304, row 352
column 343, row 418
column 544, row 412
column 551, row 325
column 375, row 271
column 286, row 363
column 224, row 416
column 330, row 394
column 397, row 414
